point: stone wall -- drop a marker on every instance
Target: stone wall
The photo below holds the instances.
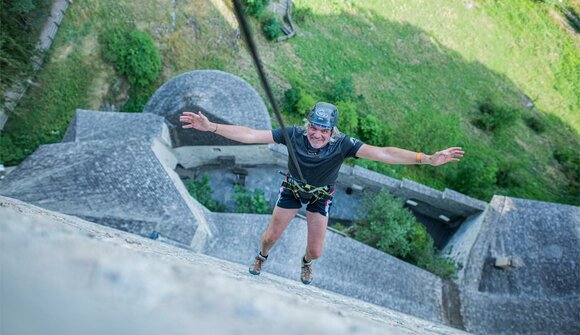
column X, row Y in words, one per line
column 347, row 267
column 63, row 275
column 538, row 291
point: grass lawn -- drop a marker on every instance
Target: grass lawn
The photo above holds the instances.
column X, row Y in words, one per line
column 423, row 68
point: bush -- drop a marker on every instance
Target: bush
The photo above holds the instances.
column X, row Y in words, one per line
column 494, row 118
column 201, row 191
column 304, row 104
column 248, row 202
column 343, row 90
column 301, row 14
column 138, row 98
column 372, row 131
column 475, row 177
column 10, row 154
column 272, row 27
column 255, row 7
column 570, row 165
column 535, row 124
column 133, row 54
column 291, row 97
column 507, row 175
column 390, row 227
column 347, row 117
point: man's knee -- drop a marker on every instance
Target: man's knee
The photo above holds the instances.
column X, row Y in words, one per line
column 268, row 237
column 314, row 253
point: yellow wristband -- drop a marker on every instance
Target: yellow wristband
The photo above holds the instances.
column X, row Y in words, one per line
column 418, row 157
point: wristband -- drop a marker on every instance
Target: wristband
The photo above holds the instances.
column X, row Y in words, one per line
column 418, row 157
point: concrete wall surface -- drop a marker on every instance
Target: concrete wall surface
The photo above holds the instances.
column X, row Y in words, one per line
column 347, row 266
column 538, row 291
column 62, row 275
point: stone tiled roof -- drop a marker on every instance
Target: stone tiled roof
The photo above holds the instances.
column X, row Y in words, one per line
column 221, row 96
column 107, row 176
column 112, row 126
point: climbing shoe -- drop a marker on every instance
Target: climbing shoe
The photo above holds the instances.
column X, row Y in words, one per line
column 256, row 267
column 306, row 274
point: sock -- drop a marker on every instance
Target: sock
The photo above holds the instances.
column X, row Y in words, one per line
column 304, row 260
column 260, row 253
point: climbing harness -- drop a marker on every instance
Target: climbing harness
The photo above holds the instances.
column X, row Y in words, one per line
column 304, row 192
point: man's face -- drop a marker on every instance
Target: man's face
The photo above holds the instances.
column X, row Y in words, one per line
column 318, row 136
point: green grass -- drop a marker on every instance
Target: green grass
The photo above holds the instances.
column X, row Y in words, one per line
column 421, row 67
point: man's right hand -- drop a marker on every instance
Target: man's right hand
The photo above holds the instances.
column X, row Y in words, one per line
column 196, row 121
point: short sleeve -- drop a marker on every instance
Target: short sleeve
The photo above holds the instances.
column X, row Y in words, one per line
column 278, row 134
column 350, row 146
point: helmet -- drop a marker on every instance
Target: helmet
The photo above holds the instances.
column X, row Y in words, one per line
column 323, row 115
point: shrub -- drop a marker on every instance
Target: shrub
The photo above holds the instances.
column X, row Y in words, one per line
column 304, row 104
column 507, row 175
column 291, row 97
column 494, row 118
column 250, row 202
column 475, row 177
column 390, row 227
column 535, row 124
column 343, row 90
column 138, row 98
column 10, row 154
column 301, row 14
column 372, row 131
column 255, row 7
column 570, row 165
column 201, row 191
column 272, row 27
column 135, row 56
column 347, row 117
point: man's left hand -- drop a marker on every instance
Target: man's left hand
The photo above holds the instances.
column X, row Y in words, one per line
column 446, row 156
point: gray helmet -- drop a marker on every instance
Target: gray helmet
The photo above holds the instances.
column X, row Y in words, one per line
column 323, row 115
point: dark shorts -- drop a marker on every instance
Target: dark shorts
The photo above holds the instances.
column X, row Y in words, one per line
column 287, row 200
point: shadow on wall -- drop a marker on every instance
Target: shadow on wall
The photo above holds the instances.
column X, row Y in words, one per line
column 189, row 137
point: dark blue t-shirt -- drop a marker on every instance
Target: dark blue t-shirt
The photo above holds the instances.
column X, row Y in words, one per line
column 319, row 166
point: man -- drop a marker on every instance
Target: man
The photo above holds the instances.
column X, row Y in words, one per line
column 320, row 149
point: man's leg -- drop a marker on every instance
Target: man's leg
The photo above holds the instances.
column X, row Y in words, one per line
column 316, row 231
column 280, row 219
column 316, row 223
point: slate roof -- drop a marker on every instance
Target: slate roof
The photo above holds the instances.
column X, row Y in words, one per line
column 107, row 176
column 221, row 96
column 113, row 126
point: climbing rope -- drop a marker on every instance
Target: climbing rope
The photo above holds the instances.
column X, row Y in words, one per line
column 254, row 52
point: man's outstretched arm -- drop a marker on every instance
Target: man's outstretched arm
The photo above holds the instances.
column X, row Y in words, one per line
column 393, row 155
column 237, row 133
